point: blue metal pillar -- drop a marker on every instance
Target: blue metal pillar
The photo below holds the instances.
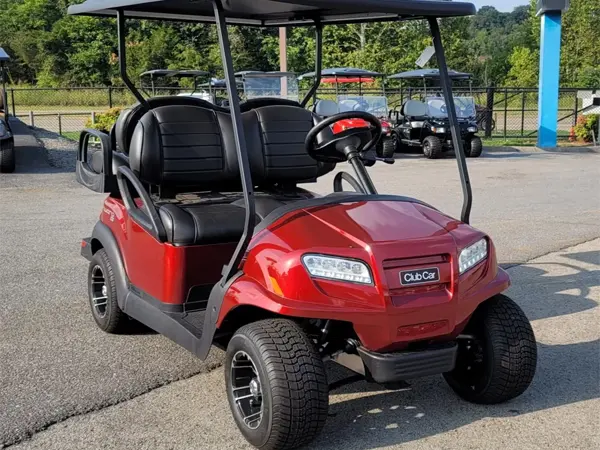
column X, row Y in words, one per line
column 549, row 78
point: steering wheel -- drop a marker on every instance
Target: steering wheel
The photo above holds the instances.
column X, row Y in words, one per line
column 335, row 148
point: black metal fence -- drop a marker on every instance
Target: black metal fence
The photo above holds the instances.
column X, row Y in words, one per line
column 503, row 113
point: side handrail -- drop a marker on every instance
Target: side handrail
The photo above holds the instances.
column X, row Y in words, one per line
column 146, row 217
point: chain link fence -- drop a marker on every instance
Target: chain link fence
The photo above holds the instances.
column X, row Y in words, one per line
column 502, row 113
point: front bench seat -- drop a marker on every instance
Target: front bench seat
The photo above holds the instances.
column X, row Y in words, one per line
column 183, row 147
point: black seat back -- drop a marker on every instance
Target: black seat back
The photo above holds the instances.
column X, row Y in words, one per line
column 190, row 148
column 260, row 102
column 184, row 148
column 277, row 133
column 128, row 119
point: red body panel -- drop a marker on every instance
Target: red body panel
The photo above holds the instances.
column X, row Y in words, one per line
column 389, row 236
column 163, row 271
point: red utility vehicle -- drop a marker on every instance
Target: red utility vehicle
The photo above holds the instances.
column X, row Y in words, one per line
column 207, row 238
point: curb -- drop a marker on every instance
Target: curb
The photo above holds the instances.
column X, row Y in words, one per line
column 576, row 150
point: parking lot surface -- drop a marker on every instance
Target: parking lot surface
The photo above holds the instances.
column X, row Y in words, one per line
column 56, row 364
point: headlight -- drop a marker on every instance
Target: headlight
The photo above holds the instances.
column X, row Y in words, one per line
column 473, row 255
column 472, row 129
column 385, row 129
column 440, row 130
column 341, row 269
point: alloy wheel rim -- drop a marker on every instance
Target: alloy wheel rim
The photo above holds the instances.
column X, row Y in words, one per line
column 246, row 389
column 99, row 292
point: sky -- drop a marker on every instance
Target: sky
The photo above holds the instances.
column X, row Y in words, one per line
column 500, row 5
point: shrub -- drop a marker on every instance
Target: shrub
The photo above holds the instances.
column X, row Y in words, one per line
column 586, row 128
column 105, row 120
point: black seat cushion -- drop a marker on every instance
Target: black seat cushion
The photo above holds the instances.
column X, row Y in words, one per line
column 263, row 205
column 202, row 224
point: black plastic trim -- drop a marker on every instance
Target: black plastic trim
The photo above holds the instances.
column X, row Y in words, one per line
column 105, row 182
column 393, row 367
column 104, row 235
column 162, row 322
column 147, row 217
column 86, row 248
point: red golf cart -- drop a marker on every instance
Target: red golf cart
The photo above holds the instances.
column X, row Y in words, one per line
column 366, row 100
column 207, row 237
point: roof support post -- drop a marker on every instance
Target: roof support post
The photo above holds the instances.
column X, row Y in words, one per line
column 121, row 31
column 312, row 93
column 452, row 116
column 240, row 145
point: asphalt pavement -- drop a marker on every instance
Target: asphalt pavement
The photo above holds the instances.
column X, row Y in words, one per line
column 55, row 364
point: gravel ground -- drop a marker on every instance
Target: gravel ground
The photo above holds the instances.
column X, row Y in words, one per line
column 62, row 152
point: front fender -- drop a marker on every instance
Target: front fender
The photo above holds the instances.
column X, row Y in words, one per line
column 245, row 291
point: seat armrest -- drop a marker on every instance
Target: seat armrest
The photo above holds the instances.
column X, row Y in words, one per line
column 146, row 217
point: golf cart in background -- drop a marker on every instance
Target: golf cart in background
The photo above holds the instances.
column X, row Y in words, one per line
column 364, row 101
column 198, row 90
column 257, row 84
column 210, row 238
column 425, row 124
column 7, row 141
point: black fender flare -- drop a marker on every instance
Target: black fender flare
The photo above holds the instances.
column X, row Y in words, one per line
column 107, row 240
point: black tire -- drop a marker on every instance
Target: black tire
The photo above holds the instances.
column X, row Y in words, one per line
column 432, row 147
column 7, row 156
column 292, row 382
column 389, row 147
column 102, row 291
column 500, row 363
column 474, row 147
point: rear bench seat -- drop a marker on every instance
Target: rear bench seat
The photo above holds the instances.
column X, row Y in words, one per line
column 186, row 148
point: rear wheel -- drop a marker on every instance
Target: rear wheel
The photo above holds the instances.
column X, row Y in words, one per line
column 276, row 385
column 474, row 147
column 7, row 156
column 432, row 147
column 498, row 360
column 102, row 291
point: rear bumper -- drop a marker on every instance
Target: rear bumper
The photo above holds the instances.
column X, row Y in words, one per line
column 394, row 367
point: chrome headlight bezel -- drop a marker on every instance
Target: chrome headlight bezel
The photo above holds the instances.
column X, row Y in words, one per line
column 473, row 255
column 334, row 273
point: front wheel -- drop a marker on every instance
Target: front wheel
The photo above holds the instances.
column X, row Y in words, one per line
column 276, row 385
column 474, row 147
column 497, row 360
column 7, row 156
column 432, row 147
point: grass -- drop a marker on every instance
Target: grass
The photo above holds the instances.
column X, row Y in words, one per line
column 73, row 135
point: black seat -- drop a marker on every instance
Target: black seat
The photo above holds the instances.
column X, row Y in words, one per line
column 128, row 119
column 203, row 224
column 260, row 102
column 192, row 149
